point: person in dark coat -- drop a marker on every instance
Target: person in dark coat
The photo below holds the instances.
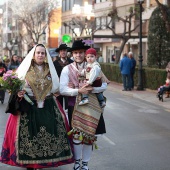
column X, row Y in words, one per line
column 130, row 55
column 14, row 62
column 125, row 68
column 59, row 65
column 3, row 69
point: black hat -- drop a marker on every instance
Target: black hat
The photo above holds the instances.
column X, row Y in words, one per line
column 78, row 45
column 62, row 47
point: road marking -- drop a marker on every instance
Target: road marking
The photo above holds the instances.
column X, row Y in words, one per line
column 108, row 140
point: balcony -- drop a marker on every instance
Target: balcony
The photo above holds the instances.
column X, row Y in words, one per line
column 66, row 16
column 125, row 3
column 103, row 7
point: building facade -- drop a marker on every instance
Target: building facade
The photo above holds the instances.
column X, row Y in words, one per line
column 102, row 37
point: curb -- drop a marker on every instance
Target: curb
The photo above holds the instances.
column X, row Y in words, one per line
column 147, row 95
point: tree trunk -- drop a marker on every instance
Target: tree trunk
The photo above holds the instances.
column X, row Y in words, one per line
column 121, row 50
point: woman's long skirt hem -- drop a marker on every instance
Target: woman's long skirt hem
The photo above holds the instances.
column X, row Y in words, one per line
column 23, row 136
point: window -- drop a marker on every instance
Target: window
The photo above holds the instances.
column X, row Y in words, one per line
column 63, row 5
column 79, row 2
column 98, row 23
column 67, row 5
column 99, row 1
column 110, row 23
column 71, row 4
column 103, row 22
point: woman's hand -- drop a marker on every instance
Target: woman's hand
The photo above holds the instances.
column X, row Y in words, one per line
column 56, row 94
column 21, row 93
column 85, row 89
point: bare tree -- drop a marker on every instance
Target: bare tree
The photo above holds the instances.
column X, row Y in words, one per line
column 164, row 11
column 86, row 26
column 127, row 25
column 34, row 16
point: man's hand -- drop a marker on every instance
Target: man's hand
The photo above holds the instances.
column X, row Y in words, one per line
column 85, row 89
column 71, row 85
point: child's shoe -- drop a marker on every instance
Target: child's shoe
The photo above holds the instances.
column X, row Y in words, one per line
column 84, row 101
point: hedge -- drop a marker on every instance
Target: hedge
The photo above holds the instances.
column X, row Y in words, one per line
column 152, row 78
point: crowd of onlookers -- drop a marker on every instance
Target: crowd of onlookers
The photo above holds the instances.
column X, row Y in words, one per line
column 7, row 63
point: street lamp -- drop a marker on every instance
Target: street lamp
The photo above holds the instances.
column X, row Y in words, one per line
column 140, row 80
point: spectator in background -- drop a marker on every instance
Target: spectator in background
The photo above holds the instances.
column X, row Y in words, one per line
column 14, row 64
column 130, row 55
column 113, row 58
column 125, row 68
column 54, row 55
column 59, row 64
column 69, row 56
column 100, row 59
column 20, row 59
column 168, row 77
column 3, row 67
column 7, row 63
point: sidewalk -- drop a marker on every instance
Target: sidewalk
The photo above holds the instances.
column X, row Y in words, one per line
column 146, row 95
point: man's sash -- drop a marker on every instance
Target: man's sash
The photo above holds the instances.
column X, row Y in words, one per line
column 85, row 118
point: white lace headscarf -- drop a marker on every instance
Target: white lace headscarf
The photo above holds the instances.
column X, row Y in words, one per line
column 26, row 63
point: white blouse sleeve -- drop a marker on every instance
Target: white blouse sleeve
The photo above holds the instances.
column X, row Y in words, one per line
column 64, row 80
column 94, row 73
column 100, row 89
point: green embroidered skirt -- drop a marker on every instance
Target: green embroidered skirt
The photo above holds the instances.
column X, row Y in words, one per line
column 38, row 138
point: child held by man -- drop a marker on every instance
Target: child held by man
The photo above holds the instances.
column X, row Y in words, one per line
column 92, row 73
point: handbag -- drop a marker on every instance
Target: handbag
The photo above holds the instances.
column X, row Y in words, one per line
column 15, row 105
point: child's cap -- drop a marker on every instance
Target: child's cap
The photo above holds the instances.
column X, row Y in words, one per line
column 91, row 51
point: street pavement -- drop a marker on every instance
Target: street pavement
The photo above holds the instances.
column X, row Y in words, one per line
column 146, row 95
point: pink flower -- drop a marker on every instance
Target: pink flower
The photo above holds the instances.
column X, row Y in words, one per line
column 9, row 72
column 14, row 77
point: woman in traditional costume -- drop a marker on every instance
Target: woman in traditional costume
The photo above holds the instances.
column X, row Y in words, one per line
column 86, row 120
column 37, row 137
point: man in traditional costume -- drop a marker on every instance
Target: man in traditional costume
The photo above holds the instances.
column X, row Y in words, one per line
column 59, row 65
column 36, row 135
column 87, row 120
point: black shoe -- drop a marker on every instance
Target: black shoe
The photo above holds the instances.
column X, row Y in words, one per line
column 77, row 165
column 160, row 97
column 84, row 166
